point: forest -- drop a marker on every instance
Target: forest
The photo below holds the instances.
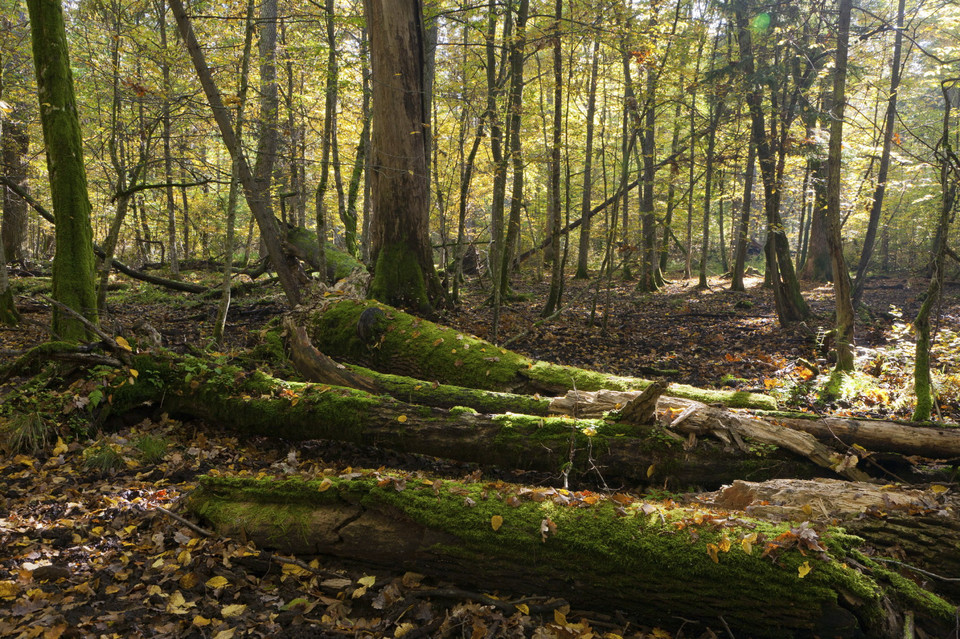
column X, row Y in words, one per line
column 516, row 318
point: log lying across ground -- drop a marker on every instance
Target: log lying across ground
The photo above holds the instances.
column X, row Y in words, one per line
column 658, row 561
column 256, row 404
column 383, row 338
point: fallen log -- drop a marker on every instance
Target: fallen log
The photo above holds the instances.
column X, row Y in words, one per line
column 871, row 435
column 916, row 529
column 656, row 560
column 303, row 244
column 403, row 344
column 256, row 404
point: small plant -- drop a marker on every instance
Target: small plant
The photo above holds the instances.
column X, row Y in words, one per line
column 102, row 456
column 152, row 449
column 28, row 433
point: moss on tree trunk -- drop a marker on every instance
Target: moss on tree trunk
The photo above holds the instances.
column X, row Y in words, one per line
column 73, row 263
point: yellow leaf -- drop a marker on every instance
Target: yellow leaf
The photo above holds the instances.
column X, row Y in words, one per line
column 803, row 569
column 660, row 633
column 496, row 521
column 9, row 589
column 651, row 469
column 402, row 418
column 725, row 543
column 403, row 629
column 232, row 610
column 559, row 618
column 523, row 608
column 134, row 372
column 217, row 582
column 712, row 551
column 200, row 621
column 807, row 509
column 225, row 634
column 367, row 580
column 936, row 488
column 124, row 344
column 60, row 448
column 325, row 484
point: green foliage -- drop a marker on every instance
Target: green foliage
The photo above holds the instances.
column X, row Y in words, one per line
column 29, row 433
column 152, row 448
column 103, row 456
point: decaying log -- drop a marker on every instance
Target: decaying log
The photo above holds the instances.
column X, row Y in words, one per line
column 657, row 561
column 315, row 366
column 872, row 435
column 918, row 530
column 697, row 419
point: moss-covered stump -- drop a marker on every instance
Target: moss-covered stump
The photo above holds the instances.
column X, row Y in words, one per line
column 407, row 345
column 303, row 244
column 257, row 404
column 656, row 561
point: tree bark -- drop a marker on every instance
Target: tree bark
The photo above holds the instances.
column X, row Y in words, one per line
column 74, row 281
column 400, row 248
column 876, row 204
column 584, row 253
column 841, row 277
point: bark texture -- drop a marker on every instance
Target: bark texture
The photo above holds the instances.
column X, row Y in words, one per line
column 73, row 264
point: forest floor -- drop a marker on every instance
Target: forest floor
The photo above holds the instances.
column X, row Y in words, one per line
column 89, row 549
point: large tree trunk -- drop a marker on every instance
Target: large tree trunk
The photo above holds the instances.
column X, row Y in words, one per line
column 602, row 552
column 74, row 282
column 404, row 273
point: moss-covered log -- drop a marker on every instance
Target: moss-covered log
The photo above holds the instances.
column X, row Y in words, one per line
column 303, row 244
column 658, row 561
column 257, row 404
column 918, row 527
column 404, row 344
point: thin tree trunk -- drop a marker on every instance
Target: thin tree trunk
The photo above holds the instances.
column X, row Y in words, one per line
column 841, row 278
column 257, row 198
column 743, row 229
column 949, row 176
column 584, row 253
column 876, row 205
column 219, row 325
column 172, row 253
column 556, row 275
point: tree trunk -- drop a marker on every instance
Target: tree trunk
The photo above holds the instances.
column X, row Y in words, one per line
column 514, row 121
column 617, row 550
column 556, row 275
column 876, row 204
column 584, row 253
column 257, row 199
column 400, row 247
column 949, row 177
column 841, row 277
column 74, row 281
column 8, row 309
column 220, row 323
column 15, row 143
column 789, row 302
column 14, row 136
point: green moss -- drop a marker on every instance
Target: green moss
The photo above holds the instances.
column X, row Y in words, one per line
column 429, row 351
column 463, row 410
column 651, row 556
column 398, row 279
